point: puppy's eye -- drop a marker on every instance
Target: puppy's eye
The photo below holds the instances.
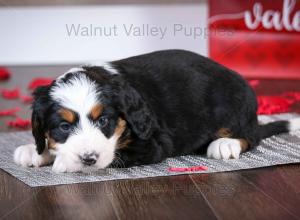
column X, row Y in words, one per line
column 103, row 121
column 65, row 127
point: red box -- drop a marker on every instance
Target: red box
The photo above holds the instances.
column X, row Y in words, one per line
column 258, row 39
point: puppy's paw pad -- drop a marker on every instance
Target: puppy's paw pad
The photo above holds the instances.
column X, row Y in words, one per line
column 224, row 148
column 23, row 155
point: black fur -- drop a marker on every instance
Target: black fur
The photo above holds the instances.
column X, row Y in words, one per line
column 174, row 102
column 38, row 118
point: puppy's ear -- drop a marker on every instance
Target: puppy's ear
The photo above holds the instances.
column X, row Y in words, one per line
column 39, row 107
column 137, row 112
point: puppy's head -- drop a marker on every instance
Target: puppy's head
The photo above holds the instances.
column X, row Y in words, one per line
column 85, row 116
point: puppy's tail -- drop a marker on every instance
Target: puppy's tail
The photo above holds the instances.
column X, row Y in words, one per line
column 278, row 127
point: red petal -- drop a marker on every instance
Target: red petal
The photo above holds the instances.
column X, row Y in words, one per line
column 10, row 93
column 10, row 112
column 19, row 123
column 184, row 169
column 273, row 104
column 253, row 83
column 292, row 95
column 26, row 98
column 4, row 74
column 39, row 82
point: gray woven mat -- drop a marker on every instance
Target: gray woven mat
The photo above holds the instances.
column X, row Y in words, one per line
column 281, row 149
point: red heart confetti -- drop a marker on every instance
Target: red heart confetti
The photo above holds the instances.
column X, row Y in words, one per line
column 187, row 169
column 254, row 83
column 4, row 74
column 26, row 98
column 36, row 82
column 10, row 93
column 268, row 105
column 19, row 123
column 10, row 112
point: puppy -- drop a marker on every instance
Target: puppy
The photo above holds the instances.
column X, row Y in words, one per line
column 141, row 110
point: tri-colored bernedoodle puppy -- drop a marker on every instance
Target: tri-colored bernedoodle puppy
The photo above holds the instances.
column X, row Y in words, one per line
column 141, row 110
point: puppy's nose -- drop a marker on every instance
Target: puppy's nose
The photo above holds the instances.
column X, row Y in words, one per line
column 89, row 159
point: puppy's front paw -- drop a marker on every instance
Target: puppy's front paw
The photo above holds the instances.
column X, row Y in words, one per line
column 23, row 155
column 59, row 166
column 27, row 156
column 224, row 148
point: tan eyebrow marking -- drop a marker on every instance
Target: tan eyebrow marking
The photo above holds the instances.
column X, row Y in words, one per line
column 96, row 111
column 67, row 115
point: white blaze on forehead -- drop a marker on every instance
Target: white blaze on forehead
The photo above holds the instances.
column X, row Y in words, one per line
column 78, row 94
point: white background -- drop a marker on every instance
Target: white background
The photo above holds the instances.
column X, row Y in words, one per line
column 38, row 35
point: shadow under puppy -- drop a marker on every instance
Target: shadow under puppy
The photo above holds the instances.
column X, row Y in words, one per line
column 141, row 110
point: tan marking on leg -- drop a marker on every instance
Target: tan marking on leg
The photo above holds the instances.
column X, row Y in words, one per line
column 244, row 145
column 96, row 111
column 67, row 115
column 223, row 133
